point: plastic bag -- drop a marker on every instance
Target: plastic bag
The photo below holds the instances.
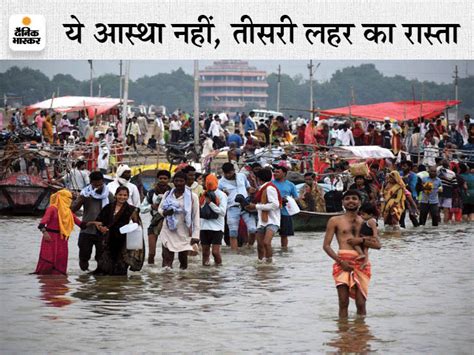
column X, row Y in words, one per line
column 291, row 206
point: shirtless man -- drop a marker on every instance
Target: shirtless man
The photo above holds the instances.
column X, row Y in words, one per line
column 351, row 280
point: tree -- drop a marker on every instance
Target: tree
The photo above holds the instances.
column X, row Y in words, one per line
column 65, row 84
column 28, row 84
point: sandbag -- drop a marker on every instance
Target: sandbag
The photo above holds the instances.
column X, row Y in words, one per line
column 359, row 169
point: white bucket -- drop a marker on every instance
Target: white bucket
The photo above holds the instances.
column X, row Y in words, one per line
column 135, row 239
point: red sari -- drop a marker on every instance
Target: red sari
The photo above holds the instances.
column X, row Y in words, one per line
column 53, row 253
column 358, row 133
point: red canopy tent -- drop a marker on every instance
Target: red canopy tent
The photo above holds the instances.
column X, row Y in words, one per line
column 398, row 111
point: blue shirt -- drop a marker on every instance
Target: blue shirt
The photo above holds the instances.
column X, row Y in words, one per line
column 249, row 125
column 234, row 188
column 411, row 181
column 235, row 138
column 286, row 188
column 431, row 198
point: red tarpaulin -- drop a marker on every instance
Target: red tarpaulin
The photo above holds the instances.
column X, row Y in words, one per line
column 399, row 111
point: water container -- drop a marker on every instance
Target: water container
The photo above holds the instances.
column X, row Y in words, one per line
column 128, row 228
column 135, row 239
column 292, row 207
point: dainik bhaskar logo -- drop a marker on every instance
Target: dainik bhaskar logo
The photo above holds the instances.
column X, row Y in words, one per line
column 27, row 32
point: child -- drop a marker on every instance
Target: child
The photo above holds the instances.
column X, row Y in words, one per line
column 268, row 204
column 367, row 230
column 152, row 143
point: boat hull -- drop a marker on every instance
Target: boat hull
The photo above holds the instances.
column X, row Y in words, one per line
column 24, row 195
column 306, row 221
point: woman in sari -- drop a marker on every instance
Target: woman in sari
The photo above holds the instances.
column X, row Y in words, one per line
column 396, row 140
column 359, row 133
column 56, row 225
column 394, row 199
column 115, row 259
column 48, row 129
column 322, row 134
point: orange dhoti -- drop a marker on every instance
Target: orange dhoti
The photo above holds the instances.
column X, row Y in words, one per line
column 355, row 278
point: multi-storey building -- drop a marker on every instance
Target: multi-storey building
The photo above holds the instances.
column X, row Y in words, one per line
column 232, row 85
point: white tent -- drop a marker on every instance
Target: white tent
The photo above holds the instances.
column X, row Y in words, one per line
column 93, row 105
column 362, row 152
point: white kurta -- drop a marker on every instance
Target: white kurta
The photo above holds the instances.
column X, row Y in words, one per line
column 103, row 163
column 179, row 240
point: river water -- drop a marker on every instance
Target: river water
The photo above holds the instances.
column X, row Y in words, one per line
column 420, row 300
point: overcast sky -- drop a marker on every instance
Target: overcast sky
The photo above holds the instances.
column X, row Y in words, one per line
column 431, row 70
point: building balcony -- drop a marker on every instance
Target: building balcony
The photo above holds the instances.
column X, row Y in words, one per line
column 232, row 94
column 228, row 106
column 249, row 84
column 233, row 73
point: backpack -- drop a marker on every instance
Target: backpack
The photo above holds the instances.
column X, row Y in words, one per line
column 206, row 212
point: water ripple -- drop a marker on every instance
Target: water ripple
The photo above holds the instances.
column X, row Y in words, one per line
column 419, row 300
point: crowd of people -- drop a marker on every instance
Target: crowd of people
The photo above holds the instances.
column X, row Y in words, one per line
column 191, row 212
column 241, row 134
column 184, row 213
column 189, row 208
column 246, row 200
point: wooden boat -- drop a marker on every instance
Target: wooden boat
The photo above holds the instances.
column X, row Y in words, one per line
column 22, row 194
column 307, row 221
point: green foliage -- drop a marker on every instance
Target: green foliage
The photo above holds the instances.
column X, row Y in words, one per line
column 27, row 84
column 66, row 85
column 175, row 89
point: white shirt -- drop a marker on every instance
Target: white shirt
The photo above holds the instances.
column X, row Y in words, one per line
column 214, row 129
column 175, row 125
column 133, row 198
column 431, row 152
column 272, row 206
column 78, row 179
column 134, row 129
column 336, row 184
column 223, row 117
column 345, row 137
column 300, row 121
column 159, row 123
column 221, row 209
column 234, row 187
column 103, row 163
column 207, row 147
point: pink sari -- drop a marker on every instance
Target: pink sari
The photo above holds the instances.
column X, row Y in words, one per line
column 53, row 253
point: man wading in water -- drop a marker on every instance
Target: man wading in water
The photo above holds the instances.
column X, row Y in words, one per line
column 181, row 227
column 351, row 280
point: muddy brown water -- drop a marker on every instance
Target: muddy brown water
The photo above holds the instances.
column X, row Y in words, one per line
column 420, row 300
